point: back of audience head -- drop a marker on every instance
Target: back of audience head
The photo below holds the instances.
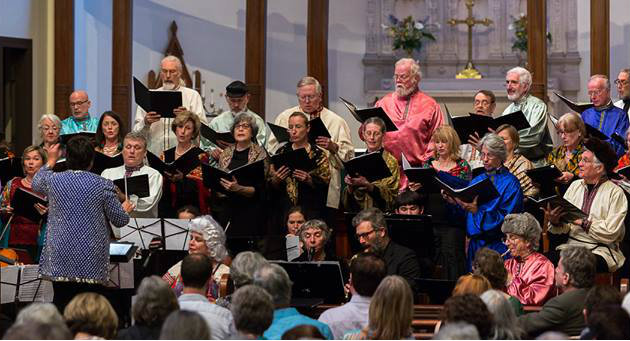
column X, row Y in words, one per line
column 410, row 202
column 274, row 279
column 196, row 270
column 243, row 267
column 505, row 323
column 185, row 325
column 303, row 332
column 610, row 322
column 457, row 331
column 576, row 268
column 468, row 308
column 391, row 309
column 91, row 313
column 252, row 309
column 600, row 295
column 39, row 312
column 37, row 330
column 188, row 212
column 367, row 270
column 471, row 284
column 155, row 300
column 489, row 264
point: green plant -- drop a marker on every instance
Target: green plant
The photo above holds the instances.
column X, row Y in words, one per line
column 408, row 34
column 519, row 26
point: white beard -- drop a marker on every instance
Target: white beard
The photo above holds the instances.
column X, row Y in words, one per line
column 168, row 86
column 401, row 91
column 514, row 97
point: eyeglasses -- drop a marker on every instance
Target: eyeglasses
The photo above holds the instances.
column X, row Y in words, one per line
column 403, row 77
column 364, row 235
column 566, row 132
column 242, row 126
column 73, row 104
column 622, row 82
column 47, row 128
column 595, row 92
column 510, row 238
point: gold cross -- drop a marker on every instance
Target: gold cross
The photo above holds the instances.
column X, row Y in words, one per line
column 469, row 71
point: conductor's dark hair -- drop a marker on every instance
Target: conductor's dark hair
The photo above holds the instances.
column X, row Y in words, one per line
column 79, row 153
column 100, row 136
column 196, row 270
column 409, row 197
column 367, row 270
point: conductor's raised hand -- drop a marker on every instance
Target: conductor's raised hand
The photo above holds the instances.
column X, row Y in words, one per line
column 128, row 206
column 53, row 155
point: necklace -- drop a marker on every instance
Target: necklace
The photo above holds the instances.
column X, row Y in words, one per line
column 184, row 152
column 111, row 150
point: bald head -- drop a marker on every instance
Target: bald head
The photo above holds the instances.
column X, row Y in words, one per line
column 80, row 104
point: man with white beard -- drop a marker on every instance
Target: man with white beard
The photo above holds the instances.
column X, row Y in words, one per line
column 415, row 114
column 156, row 129
column 535, row 141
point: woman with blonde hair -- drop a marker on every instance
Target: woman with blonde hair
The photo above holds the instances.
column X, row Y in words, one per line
column 390, row 314
column 566, row 157
column 471, row 284
column 90, row 315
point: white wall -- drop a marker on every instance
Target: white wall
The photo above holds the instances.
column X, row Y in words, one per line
column 93, row 52
column 619, row 38
column 26, row 19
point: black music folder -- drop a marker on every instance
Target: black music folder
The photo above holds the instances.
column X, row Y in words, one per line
column 577, row 107
column 10, row 168
column 317, row 129
column 363, row 114
column 138, row 185
column 67, row 137
column 185, row 163
column 281, row 133
column 475, row 123
column 103, row 162
column 620, row 140
column 23, row 203
column 247, row 175
column 422, row 175
column 294, row 159
column 625, row 171
column 484, row 190
column 61, row 165
column 372, row 166
column 572, row 212
column 544, row 176
column 594, row 132
column 214, row 136
column 162, row 102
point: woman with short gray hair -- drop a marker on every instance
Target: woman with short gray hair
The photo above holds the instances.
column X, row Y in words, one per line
column 242, row 273
column 49, row 127
column 531, row 275
column 314, row 235
column 505, row 325
column 483, row 219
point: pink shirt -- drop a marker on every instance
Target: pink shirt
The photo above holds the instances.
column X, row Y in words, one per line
column 532, row 280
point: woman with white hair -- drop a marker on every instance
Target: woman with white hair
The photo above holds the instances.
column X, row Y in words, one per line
column 530, row 274
column 49, row 127
column 483, row 219
column 207, row 237
column 505, row 323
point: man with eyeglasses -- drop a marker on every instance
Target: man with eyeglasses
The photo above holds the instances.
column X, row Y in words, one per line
column 534, row 142
column 602, row 200
column 80, row 120
column 237, row 98
column 338, row 146
column 371, row 231
column 415, row 114
column 157, row 129
column 604, row 116
column 623, row 90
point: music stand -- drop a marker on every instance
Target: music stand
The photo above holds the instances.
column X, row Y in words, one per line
column 315, row 281
column 140, row 231
column 121, row 275
column 412, row 231
column 176, row 234
column 32, row 288
column 9, row 283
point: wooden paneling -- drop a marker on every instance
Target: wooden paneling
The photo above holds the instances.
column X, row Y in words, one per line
column 317, row 43
column 255, row 53
column 64, row 55
column 121, row 58
column 600, row 37
column 537, row 46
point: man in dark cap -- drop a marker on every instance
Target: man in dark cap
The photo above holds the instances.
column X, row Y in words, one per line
column 237, row 97
column 604, row 203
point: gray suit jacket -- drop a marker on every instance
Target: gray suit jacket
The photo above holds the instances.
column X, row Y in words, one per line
column 562, row 313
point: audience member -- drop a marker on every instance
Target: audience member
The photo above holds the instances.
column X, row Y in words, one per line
column 196, row 273
column 252, row 309
column 154, row 301
column 488, row 263
column 457, row 331
column 391, row 312
column 371, row 231
column 89, row 315
column 185, row 325
column 609, row 323
column 469, row 308
column 39, row 312
column 471, row 284
column 599, row 296
column 242, row 273
column 38, row 331
column 303, row 332
column 274, row 279
column 575, row 275
column 367, row 270
column 505, row 324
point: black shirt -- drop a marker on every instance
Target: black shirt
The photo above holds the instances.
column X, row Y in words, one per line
column 239, row 158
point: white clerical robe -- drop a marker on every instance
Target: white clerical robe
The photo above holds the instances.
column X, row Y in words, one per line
column 607, row 214
column 340, row 134
column 146, row 207
column 159, row 135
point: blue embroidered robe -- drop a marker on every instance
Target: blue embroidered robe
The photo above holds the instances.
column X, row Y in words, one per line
column 608, row 120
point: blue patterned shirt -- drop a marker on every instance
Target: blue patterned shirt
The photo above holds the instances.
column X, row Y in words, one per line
column 72, row 126
column 80, row 204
